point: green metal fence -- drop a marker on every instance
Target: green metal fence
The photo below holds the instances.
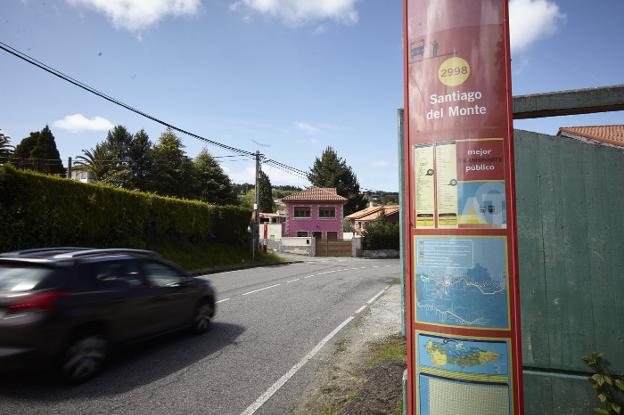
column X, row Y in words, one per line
column 570, row 204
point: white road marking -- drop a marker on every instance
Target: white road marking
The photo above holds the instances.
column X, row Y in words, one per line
column 224, row 300
column 309, row 276
column 289, row 281
column 362, row 267
column 261, row 289
column 375, row 297
column 281, row 381
column 359, row 310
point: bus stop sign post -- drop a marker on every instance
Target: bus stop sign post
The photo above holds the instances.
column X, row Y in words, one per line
column 463, row 316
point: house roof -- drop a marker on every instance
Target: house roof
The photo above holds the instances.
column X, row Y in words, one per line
column 316, row 194
column 373, row 213
column 607, row 134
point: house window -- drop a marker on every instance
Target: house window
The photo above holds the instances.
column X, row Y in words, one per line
column 302, row 234
column 302, row 212
column 327, row 212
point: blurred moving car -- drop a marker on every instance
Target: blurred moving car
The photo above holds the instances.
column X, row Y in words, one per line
column 65, row 307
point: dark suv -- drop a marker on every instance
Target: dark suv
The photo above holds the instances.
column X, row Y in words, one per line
column 66, row 307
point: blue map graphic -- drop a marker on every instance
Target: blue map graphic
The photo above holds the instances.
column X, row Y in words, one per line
column 464, row 355
column 462, row 282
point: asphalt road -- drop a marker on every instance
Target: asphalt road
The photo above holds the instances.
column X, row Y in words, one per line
column 272, row 326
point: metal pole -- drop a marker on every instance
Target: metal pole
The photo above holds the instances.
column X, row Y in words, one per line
column 256, row 219
column 69, row 168
column 402, row 216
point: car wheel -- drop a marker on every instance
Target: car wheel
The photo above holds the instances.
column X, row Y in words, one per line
column 84, row 358
column 201, row 318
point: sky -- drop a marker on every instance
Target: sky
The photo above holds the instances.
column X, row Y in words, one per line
column 286, row 77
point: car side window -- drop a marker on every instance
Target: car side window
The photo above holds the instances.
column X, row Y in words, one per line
column 129, row 272
column 109, row 271
column 160, row 275
column 133, row 274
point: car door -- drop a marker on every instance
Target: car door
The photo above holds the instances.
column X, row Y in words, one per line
column 124, row 297
column 173, row 294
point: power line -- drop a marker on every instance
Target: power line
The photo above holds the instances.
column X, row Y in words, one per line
column 291, row 172
column 23, row 56
column 285, row 166
column 33, row 61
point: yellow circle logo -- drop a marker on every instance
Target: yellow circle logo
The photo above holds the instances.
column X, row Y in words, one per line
column 454, row 71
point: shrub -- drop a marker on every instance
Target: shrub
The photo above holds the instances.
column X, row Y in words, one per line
column 38, row 210
column 381, row 235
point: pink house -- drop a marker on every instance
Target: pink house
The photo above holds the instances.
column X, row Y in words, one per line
column 315, row 212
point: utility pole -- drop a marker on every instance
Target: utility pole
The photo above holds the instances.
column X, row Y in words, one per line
column 256, row 222
column 69, row 168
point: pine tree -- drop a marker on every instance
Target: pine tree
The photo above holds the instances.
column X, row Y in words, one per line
column 212, row 184
column 21, row 156
column 171, row 166
column 140, row 157
column 117, row 144
column 6, row 150
column 265, row 192
column 332, row 171
column 119, row 141
column 38, row 152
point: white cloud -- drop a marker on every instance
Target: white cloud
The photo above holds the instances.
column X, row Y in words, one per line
column 78, row 123
column 296, row 12
column 531, row 20
column 138, row 15
column 308, row 128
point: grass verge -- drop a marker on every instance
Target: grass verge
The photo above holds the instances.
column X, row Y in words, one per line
column 213, row 257
column 393, row 348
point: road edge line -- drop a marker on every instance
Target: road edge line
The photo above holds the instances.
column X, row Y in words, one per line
column 286, row 377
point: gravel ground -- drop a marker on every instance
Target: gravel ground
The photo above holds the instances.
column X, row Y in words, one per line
column 344, row 384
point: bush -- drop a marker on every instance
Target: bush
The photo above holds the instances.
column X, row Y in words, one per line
column 381, row 235
column 38, row 210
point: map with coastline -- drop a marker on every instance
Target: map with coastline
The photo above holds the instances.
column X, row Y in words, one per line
column 462, row 281
column 466, row 356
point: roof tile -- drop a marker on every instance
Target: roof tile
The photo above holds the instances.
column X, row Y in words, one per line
column 608, row 134
column 315, row 194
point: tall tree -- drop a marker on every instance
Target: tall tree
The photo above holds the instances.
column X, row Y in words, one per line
column 117, row 144
column 5, row 148
column 38, row 152
column 333, row 171
column 171, row 166
column 119, row 141
column 21, row 156
column 140, row 158
column 265, row 193
column 212, row 184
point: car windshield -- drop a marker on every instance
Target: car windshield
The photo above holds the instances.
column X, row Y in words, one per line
column 21, row 278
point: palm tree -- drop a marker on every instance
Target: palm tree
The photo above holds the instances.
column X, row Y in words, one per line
column 96, row 161
column 5, row 149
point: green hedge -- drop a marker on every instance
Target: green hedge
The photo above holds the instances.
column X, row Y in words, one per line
column 38, row 210
column 381, row 235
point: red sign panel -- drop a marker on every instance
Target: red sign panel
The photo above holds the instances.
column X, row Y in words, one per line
column 463, row 306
